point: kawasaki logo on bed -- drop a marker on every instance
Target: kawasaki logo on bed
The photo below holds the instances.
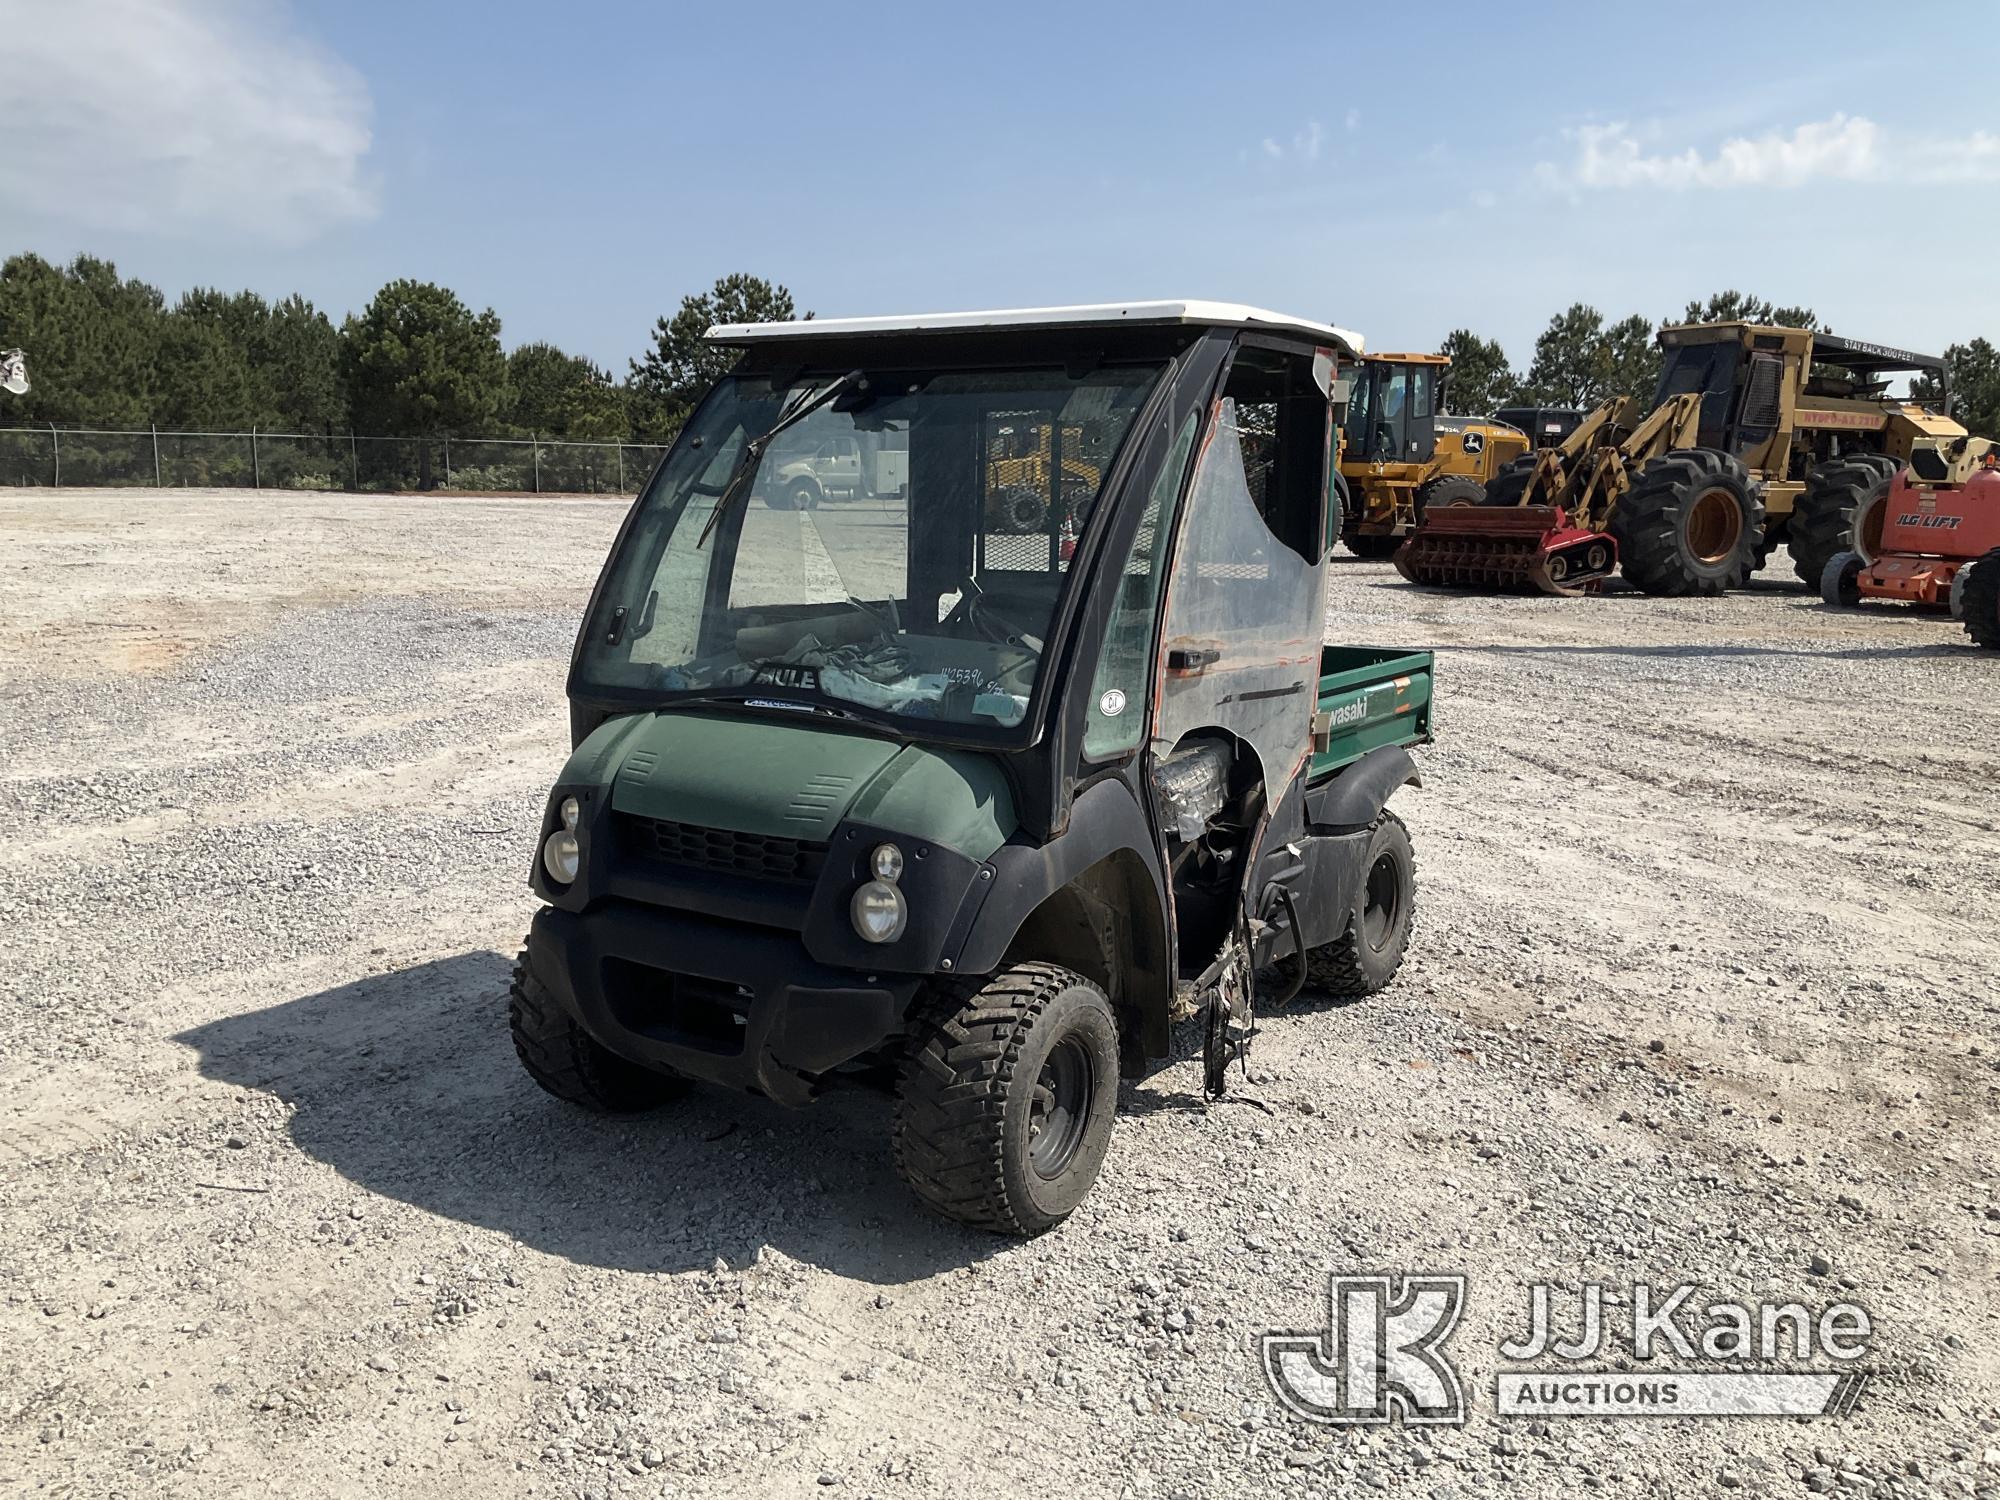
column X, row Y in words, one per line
column 1929, row 523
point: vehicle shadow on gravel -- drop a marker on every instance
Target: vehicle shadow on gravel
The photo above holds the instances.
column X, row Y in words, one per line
column 406, row 1084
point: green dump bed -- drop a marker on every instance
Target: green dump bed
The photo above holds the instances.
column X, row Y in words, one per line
column 1369, row 696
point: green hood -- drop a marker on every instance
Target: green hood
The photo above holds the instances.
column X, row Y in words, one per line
column 752, row 775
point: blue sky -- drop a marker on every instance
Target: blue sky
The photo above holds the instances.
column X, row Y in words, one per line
column 1398, row 169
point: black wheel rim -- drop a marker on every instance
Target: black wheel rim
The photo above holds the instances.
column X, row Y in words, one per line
column 1060, row 1109
column 1385, row 903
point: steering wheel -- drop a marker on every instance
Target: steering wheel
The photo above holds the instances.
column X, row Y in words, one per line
column 975, row 612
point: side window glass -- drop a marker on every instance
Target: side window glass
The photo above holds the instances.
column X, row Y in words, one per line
column 1243, row 612
column 1392, row 424
column 1124, row 676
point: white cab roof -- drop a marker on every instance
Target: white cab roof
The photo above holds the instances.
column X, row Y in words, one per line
column 1095, row 314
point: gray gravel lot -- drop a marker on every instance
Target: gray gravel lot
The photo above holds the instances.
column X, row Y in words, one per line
column 1703, row 992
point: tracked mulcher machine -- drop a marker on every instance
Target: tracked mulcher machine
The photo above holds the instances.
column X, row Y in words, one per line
column 1689, row 494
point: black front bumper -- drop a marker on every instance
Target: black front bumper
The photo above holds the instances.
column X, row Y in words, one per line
column 744, row 1007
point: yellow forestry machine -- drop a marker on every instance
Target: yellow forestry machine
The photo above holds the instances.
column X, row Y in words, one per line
column 1758, row 435
column 1400, row 455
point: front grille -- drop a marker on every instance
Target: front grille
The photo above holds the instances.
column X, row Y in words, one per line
column 723, row 851
column 680, row 1008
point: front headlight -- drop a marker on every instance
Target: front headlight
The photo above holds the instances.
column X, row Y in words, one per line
column 887, row 863
column 562, row 856
column 879, row 912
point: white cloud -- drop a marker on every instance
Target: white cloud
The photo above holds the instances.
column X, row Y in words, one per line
column 1845, row 148
column 189, row 117
column 1353, row 119
column 1972, row 158
column 1306, row 144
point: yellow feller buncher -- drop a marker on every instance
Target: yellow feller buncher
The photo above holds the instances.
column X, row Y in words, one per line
column 1400, row 455
column 1757, row 436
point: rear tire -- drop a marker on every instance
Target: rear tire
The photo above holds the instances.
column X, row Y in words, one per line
column 573, row 1065
column 1449, row 489
column 1007, row 1095
column 1021, row 510
column 1839, row 583
column 1511, row 482
column 1690, row 525
column 1980, row 600
column 1840, row 512
column 1367, row 954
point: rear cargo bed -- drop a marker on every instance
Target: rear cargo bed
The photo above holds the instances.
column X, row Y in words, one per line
column 1369, row 696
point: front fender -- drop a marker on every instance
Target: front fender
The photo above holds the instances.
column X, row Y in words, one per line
column 1104, row 820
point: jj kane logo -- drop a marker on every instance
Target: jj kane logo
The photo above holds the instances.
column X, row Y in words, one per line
column 1382, row 1355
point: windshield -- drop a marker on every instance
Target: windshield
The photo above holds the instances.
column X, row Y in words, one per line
column 901, row 548
column 1707, row 369
column 1378, row 411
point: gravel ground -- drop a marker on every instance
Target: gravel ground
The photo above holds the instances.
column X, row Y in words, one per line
column 1703, row 991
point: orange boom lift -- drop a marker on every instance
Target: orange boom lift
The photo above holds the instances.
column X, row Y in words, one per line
column 1940, row 541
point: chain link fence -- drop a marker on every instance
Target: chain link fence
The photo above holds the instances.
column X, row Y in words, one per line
column 83, row 457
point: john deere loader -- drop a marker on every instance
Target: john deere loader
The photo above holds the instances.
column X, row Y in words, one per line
column 1400, row 455
column 1757, row 435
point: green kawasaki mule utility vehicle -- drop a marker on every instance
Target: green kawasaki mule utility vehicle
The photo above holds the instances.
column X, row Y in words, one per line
column 882, row 791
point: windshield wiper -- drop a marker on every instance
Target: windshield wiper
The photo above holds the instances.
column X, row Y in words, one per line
column 753, row 451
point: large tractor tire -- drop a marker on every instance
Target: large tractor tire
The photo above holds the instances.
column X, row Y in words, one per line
column 1020, row 510
column 1367, row 954
column 1690, row 525
column 1840, row 511
column 1979, row 600
column 1343, row 494
column 573, row 1065
column 1007, row 1094
column 1449, row 489
column 1511, row 482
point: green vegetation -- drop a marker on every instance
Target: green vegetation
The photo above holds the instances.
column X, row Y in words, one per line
column 679, row 367
column 1480, row 379
column 1975, row 386
column 417, row 362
